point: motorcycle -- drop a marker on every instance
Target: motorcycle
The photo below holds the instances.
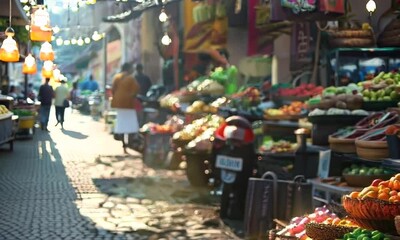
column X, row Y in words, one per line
column 235, row 162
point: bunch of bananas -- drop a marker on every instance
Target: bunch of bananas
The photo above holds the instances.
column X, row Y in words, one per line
column 3, row 109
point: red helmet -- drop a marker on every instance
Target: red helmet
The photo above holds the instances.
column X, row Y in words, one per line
column 237, row 128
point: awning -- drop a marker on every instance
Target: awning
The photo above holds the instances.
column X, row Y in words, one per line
column 17, row 13
column 136, row 11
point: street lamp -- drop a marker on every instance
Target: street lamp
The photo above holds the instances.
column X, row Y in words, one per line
column 371, row 6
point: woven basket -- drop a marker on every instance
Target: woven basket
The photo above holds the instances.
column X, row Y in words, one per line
column 370, row 209
column 320, row 231
column 342, row 145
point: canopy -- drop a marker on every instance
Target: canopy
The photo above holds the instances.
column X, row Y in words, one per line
column 17, row 13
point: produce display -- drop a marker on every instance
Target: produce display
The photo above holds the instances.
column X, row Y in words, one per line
column 295, row 108
column 4, row 110
column 249, row 97
column 24, row 112
column 364, row 234
column 200, row 107
column 297, row 225
column 172, row 125
column 174, row 99
column 337, row 111
column 207, row 87
column 364, row 170
column 282, row 146
column 203, row 142
column 197, row 127
column 382, row 87
column 220, row 102
column 304, row 90
column 347, row 97
column 382, row 190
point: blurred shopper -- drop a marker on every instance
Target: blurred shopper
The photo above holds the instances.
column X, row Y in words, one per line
column 142, row 79
column 45, row 97
column 61, row 102
column 90, row 84
column 75, row 95
column 124, row 101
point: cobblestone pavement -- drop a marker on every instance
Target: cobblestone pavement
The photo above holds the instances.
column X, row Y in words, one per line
column 76, row 184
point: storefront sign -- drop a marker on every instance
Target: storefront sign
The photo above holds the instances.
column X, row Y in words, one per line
column 300, row 46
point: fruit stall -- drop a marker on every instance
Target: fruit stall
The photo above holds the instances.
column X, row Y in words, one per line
column 6, row 127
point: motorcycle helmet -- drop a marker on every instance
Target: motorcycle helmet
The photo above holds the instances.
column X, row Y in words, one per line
column 236, row 128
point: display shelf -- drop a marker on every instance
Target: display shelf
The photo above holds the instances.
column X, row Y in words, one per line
column 353, row 158
column 355, row 55
column 325, row 193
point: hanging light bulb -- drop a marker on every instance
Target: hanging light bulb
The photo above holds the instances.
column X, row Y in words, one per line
column 47, row 70
column 73, row 41
column 46, row 52
column 371, row 6
column 29, row 66
column 67, row 42
column 53, row 38
column 26, row 8
column 87, row 40
column 40, row 24
column 96, row 36
column 80, row 41
column 9, row 50
column 166, row 40
column 56, row 29
column 59, row 41
column 56, row 74
column 163, row 16
column 24, row 1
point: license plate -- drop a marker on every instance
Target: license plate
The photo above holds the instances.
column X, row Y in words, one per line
column 230, row 163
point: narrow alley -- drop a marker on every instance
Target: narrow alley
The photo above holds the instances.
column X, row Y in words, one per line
column 76, row 183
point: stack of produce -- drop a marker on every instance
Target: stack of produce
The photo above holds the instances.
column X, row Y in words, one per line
column 361, row 175
column 302, row 91
column 347, row 97
column 337, row 111
column 249, row 97
column 365, row 234
column 297, row 225
column 197, row 127
column 204, row 86
column 383, row 87
column 172, row 125
column 173, row 100
column 282, row 146
column 376, row 206
column 203, row 142
column 294, row 109
column 4, row 110
column 201, row 107
column 220, row 102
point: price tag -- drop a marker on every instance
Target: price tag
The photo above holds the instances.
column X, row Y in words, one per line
column 324, row 163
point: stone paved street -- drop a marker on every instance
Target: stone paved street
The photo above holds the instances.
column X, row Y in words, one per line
column 76, row 183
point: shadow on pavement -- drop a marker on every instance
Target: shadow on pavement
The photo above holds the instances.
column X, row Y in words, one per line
column 37, row 198
column 74, row 134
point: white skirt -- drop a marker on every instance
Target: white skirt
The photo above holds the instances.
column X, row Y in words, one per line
column 127, row 121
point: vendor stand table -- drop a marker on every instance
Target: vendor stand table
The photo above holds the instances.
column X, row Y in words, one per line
column 7, row 130
column 327, row 193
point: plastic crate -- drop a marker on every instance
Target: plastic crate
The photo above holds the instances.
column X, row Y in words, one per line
column 156, row 148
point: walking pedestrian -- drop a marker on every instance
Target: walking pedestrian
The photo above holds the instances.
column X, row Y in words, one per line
column 124, row 101
column 75, row 95
column 45, row 97
column 142, row 79
column 61, row 100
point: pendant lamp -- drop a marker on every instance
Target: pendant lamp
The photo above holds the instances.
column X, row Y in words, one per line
column 29, row 66
column 9, row 50
column 46, row 52
column 40, row 24
column 47, row 70
column 56, row 74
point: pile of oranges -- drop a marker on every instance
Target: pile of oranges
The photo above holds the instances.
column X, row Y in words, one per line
column 384, row 190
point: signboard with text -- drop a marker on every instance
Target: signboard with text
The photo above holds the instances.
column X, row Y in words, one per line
column 301, row 52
